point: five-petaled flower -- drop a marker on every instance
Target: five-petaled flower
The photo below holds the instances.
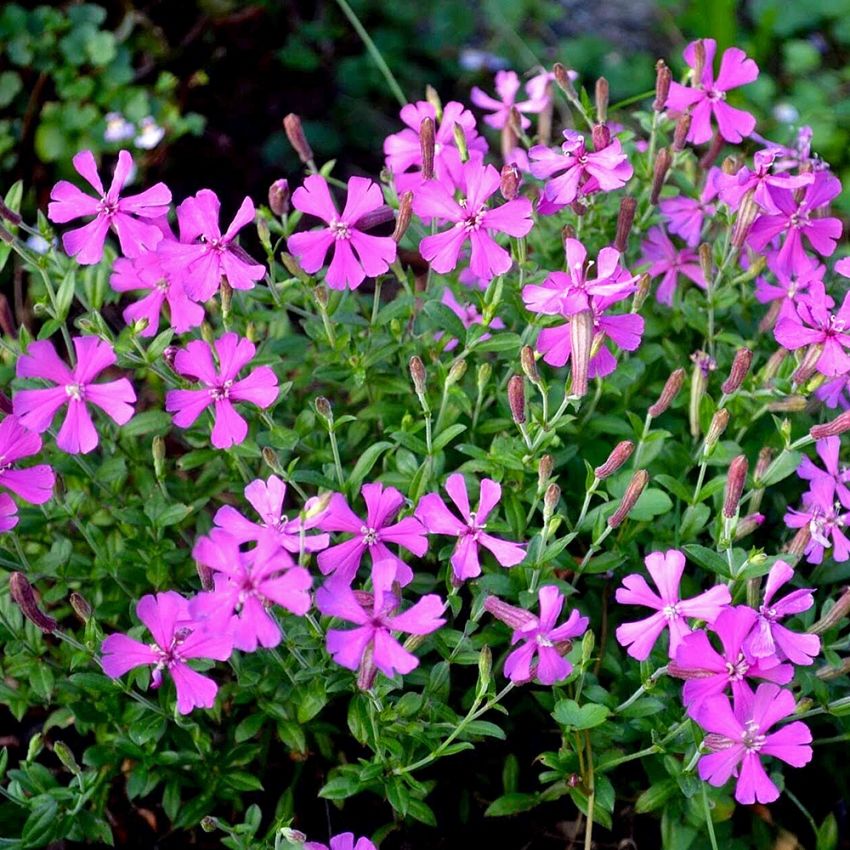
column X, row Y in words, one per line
column 33, row 484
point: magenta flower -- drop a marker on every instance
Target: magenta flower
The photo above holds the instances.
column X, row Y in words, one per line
column 828, row 450
column 811, row 323
column 834, row 393
column 371, row 535
column 468, row 315
column 35, row 409
column 733, row 187
column 204, row 255
column 739, row 737
column 667, row 260
column 539, row 637
column 356, row 254
column 177, row 638
column 404, row 153
column 707, row 97
column 826, row 522
column 708, row 672
column 371, row 645
column 33, row 484
column 685, row 216
column 109, row 209
column 507, row 87
column 438, row 519
column 275, row 530
column 771, row 643
column 790, row 287
column 344, row 841
column 584, row 172
column 570, row 292
column 473, row 221
column 195, row 361
column 247, row 584
column 666, row 569
column 798, row 218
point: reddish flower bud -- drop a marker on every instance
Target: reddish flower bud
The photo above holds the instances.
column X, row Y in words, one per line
column 765, row 458
column 808, row 365
column 427, row 145
column 669, row 393
column 544, row 470
column 735, row 481
column 716, row 428
column 748, row 524
column 279, row 197
column 620, row 454
column 789, row 404
column 516, row 399
column 510, row 615
column 739, row 370
column 717, row 144
column 601, row 136
column 405, row 213
column 625, row 220
column 581, row 338
column 834, row 616
column 663, row 161
column 699, row 61
column 663, row 78
column 24, row 596
column 550, row 500
column 774, row 362
column 417, row 374
column 80, row 606
column 602, row 100
column 681, row 130
column 706, row 262
column 798, row 543
column 562, row 78
column 510, row 182
column 837, row 426
column 748, row 210
column 9, row 214
column 529, row 364
column 633, row 492
column 295, row 133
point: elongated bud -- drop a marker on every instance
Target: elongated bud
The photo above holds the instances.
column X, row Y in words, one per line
column 460, row 142
column 544, row 117
column 789, row 404
column 716, row 429
column 510, row 615
column 562, row 78
column 706, row 262
column 681, row 130
column 808, row 365
column 625, row 220
column 699, row 61
column 663, row 78
column 516, row 399
column 279, row 197
column 482, row 377
column 529, row 365
column 434, row 99
column 633, row 492
column 324, row 408
column 485, row 667
column 735, row 481
column 456, row 372
column 80, row 606
column 602, row 100
column 64, row 754
column 834, row 616
column 550, row 502
column 544, row 470
column 796, row 546
column 641, row 291
column 739, row 370
column 601, row 136
column 771, row 368
column 510, row 182
column 158, row 453
column 703, row 364
column 713, row 152
column 748, row 524
column 295, row 133
column 417, row 374
column 293, row 836
column 9, row 214
column 659, row 174
column 581, row 338
column 405, row 213
column 374, row 218
column 837, row 426
column 23, row 594
column 669, row 393
column 748, row 211
column 620, row 454
column 426, row 146
column 765, row 458
column 272, row 461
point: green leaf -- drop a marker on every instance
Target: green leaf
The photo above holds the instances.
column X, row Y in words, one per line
column 43, row 824
column 340, row 787
column 651, row 503
column 243, row 781
column 249, row 727
column 365, row 463
column 511, row 804
column 656, row 796
column 781, row 468
column 445, row 320
column 501, row 342
column 574, row 716
column 827, row 838
column 708, row 559
column 447, row 435
column 676, row 487
column 65, row 294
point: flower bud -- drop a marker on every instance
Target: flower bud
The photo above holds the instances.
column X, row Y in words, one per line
column 158, row 454
column 669, row 393
column 601, row 101
column 426, row 145
column 405, row 213
column 6, row 236
column 529, row 365
column 703, row 364
column 798, row 543
column 706, row 262
column 434, row 99
column 293, row 836
column 456, row 372
column 748, row 210
column 748, row 524
column 460, row 142
column 510, row 615
column 482, row 377
column 808, row 365
column 663, row 78
column 295, row 133
column 205, row 574
column 209, row 824
column 834, row 616
column 774, row 362
column 620, row 454
column 738, row 371
column 562, row 78
column 418, row 375
column 80, row 606
column 717, row 144
column 699, row 62
column 763, row 463
column 24, row 596
column 715, row 430
column 633, row 492
column 601, row 136
column 789, row 404
column 681, row 130
column 663, row 161
column 625, row 220
column 271, row 460
column 485, row 667
column 581, row 339
column 641, row 291
column 510, row 182
column 516, row 399
column 544, row 470
column 279, row 197
column 735, row 481
column 837, row 426
column 324, row 408
column 550, row 501
column 64, row 754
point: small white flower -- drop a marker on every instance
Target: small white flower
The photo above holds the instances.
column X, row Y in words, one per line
column 118, row 128
column 150, row 134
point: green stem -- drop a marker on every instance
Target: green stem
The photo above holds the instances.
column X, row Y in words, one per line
column 708, row 821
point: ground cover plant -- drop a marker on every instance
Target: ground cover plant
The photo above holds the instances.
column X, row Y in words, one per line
column 531, row 441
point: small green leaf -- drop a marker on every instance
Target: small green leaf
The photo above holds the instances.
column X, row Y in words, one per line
column 511, row 804
column 365, row 463
column 574, row 716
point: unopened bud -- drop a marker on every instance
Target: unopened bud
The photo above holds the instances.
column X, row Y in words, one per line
column 581, row 339
column 460, row 142
column 374, row 218
column 64, row 754
column 456, row 372
column 482, row 377
column 168, row 355
column 529, row 364
column 23, row 594
column 789, row 404
column 774, row 362
column 550, row 501
column 485, row 667
column 295, row 133
column 510, row 615
column 601, row 136
column 633, row 492
column 279, row 197
column 426, row 145
column 659, row 174
column 716, row 429
column 808, row 365
column 516, row 399
column 562, row 78
column 663, row 78
column 834, row 616
column 434, row 99
column 418, row 375
column 763, row 463
column 324, row 408
column 271, row 460
column 739, row 370
column 748, row 524
column 625, row 220
column 6, row 236
column 510, row 182
column 209, row 824
column 798, row 543
column 669, row 393
column 713, row 152
column 681, row 130
column 405, row 213
column 601, row 101
column 837, row 426
column 706, row 261
column 544, row 470
column 9, row 214
column 620, row 454
column 641, row 292
column 748, row 210
column 158, row 454
column 703, row 364
column 735, row 481
column 80, row 606
column 699, row 62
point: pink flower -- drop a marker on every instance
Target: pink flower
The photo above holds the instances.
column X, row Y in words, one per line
column 177, row 637
column 585, row 171
column 438, row 519
column 834, row 393
column 247, row 584
column 739, row 737
column 539, row 637
column 203, row 255
column 828, row 450
column 344, row 841
column 667, row 260
column 468, row 315
column 371, row 535
column 371, row 645
column 707, row 98
column 195, row 361
column 733, row 187
column 768, row 641
column 685, row 216
column 795, row 219
column 33, row 484
column 356, row 254
column 507, row 87
column 790, row 287
column 825, row 520
column 147, row 272
column 666, row 569
column 275, row 530
column 708, row 672
column 85, row 243
column 473, row 221
column 570, row 292
column 35, row 409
